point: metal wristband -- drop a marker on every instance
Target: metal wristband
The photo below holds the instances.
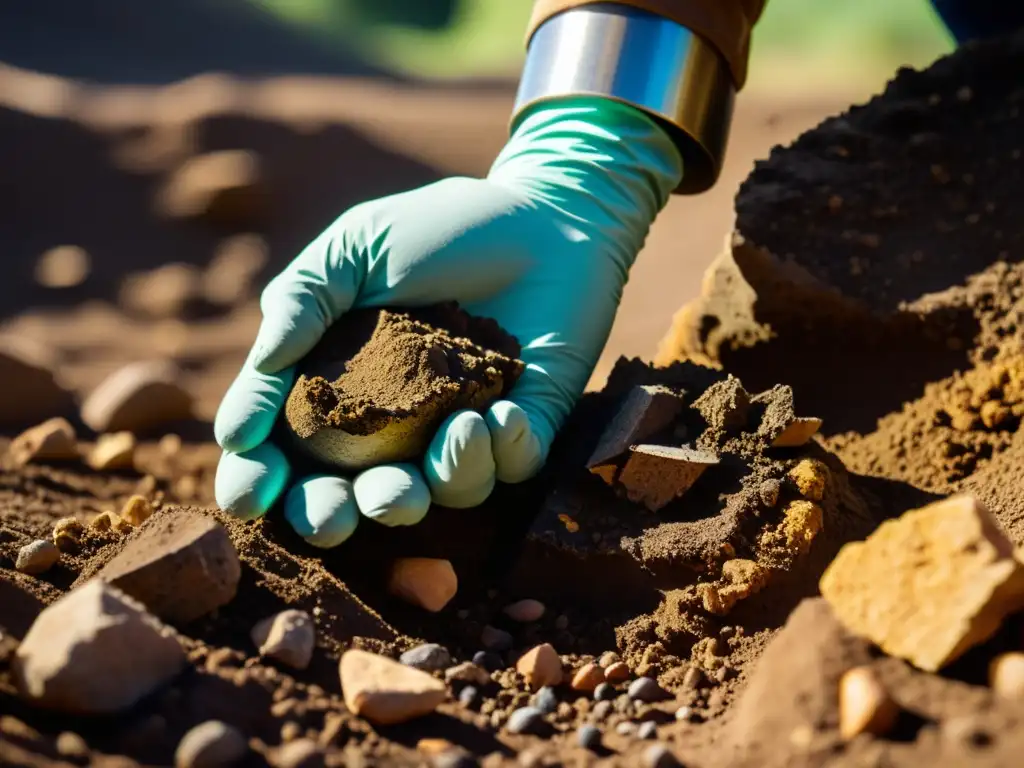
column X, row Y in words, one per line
column 643, row 60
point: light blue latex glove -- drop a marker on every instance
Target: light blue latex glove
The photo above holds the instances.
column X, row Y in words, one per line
column 543, row 245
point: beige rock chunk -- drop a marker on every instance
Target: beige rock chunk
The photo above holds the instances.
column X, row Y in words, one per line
column 810, row 477
column 540, row 666
column 53, row 440
column 386, row 692
column 62, row 267
column 181, row 566
column 864, row 704
column 617, row 672
column 67, row 534
column 108, row 521
column 288, row 637
column 802, row 521
column 223, row 188
column 740, row 579
column 136, row 510
column 427, row 582
column 798, row 432
column 467, row 672
column 929, row 585
column 1006, row 675
column 645, row 411
column 212, row 744
column 37, row 557
column 95, row 651
column 136, row 397
column 587, row 678
column 654, row 475
column 32, row 390
column 114, row 451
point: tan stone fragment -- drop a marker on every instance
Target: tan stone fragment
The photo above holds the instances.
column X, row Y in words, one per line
column 587, row 678
column 224, row 188
column 740, row 579
column 113, row 451
column 929, row 585
column 798, row 432
column 617, row 672
column 288, row 636
column 108, row 521
column 654, row 475
column 424, row 581
column 810, row 477
column 53, row 440
column 136, row 397
column 864, row 704
column 1006, row 675
column 67, row 534
column 540, row 666
column 136, row 510
column 386, row 692
column 645, row 411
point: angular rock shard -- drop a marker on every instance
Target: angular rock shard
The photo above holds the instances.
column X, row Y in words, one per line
column 646, row 410
column 386, row 692
column 53, row 440
column 929, row 585
column 654, row 475
column 799, row 431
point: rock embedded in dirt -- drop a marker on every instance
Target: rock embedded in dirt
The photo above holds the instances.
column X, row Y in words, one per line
column 67, row 534
column 617, row 672
column 545, row 700
column 1006, row 675
column 495, row 639
column 53, row 440
column 865, row 706
column 647, row 690
column 138, row 397
column 740, row 579
column 540, row 666
column 427, row 582
column 212, row 744
column 428, row 657
column 379, row 382
column 647, row 731
column 386, row 692
column 529, row 720
column 32, row 391
column 72, row 746
column 288, row 637
column 113, row 451
column 589, row 737
column 95, row 651
column 224, row 188
column 798, row 432
column 467, row 672
column 181, row 566
column 659, row 756
column 587, row 678
column 810, row 477
column 136, row 510
column 929, row 585
column 299, row 753
column 37, row 557
column 524, row 611
column 655, row 475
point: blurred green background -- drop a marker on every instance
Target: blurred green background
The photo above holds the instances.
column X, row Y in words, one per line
column 798, row 43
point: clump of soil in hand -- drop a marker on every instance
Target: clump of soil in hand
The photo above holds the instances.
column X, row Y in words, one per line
column 380, row 382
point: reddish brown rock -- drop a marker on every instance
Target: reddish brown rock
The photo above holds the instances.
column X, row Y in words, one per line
column 424, row 581
column 181, row 566
column 540, row 666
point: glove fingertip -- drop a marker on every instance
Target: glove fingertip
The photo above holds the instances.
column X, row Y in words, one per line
column 247, row 484
column 392, row 494
column 520, row 448
column 459, row 465
column 322, row 510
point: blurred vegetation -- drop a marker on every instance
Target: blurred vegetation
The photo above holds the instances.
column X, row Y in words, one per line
column 796, row 39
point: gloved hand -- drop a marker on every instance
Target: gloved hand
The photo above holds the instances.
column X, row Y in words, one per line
column 543, row 245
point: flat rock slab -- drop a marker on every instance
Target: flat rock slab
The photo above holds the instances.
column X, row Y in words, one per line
column 386, row 692
column 181, row 566
column 95, row 651
column 654, row 475
column 929, row 585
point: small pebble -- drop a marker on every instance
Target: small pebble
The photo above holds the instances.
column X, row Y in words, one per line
column 67, row 534
column 113, row 451
column 427, row 582
column 623, row 705
column 136, row 510
column 210, row 745
column 608, row 658
column 288, row 637
column 658, row 756
column 525, row 611
column 470, row 697
column 1006, row 675
column 616, row 672
column 301, row 753
column 540, row 666
column 589, row 737
column 601, row 710
column 495, row 639
column 692, row 679
column 467, row 672
column 72, row 746
column 527, row 720
column 604, row 692
column 545, row 700
column 453, row 758
column 684, row 714
column 488, row 660
column 625, row 728
column 430, row 657
column 37, row 557
column 648, row 730
column 647, row 690
column 587, row 678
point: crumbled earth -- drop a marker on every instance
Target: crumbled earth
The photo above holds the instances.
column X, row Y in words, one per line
column 380, row 372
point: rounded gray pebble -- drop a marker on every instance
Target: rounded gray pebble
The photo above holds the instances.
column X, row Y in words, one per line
column 470, row 697
column 429, row 657
column 647, row 730
column 454, row 758
column 601, row 710
column 625, row 728
column 658, row 756
column 604, row 692
column 490, row 661
column 527, row 720
column 210, row 745
column 545, row 700
column 589, row 737
column 495, row 639
column 37, row 557
column 647, row 690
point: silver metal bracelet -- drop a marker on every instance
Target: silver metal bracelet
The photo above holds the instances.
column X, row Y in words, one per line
column 640, row 59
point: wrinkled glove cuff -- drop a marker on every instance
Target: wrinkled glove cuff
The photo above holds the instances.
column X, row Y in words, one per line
column 643, row 60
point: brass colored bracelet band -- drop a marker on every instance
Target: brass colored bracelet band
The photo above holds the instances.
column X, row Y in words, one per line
column 643, row 60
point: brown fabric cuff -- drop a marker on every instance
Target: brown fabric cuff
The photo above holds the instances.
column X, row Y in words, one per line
column 726, row 24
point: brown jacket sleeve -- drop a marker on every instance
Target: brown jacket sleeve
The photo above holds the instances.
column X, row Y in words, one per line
column 726, row 24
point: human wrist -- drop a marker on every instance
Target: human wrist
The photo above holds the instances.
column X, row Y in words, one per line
column 642, row 59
